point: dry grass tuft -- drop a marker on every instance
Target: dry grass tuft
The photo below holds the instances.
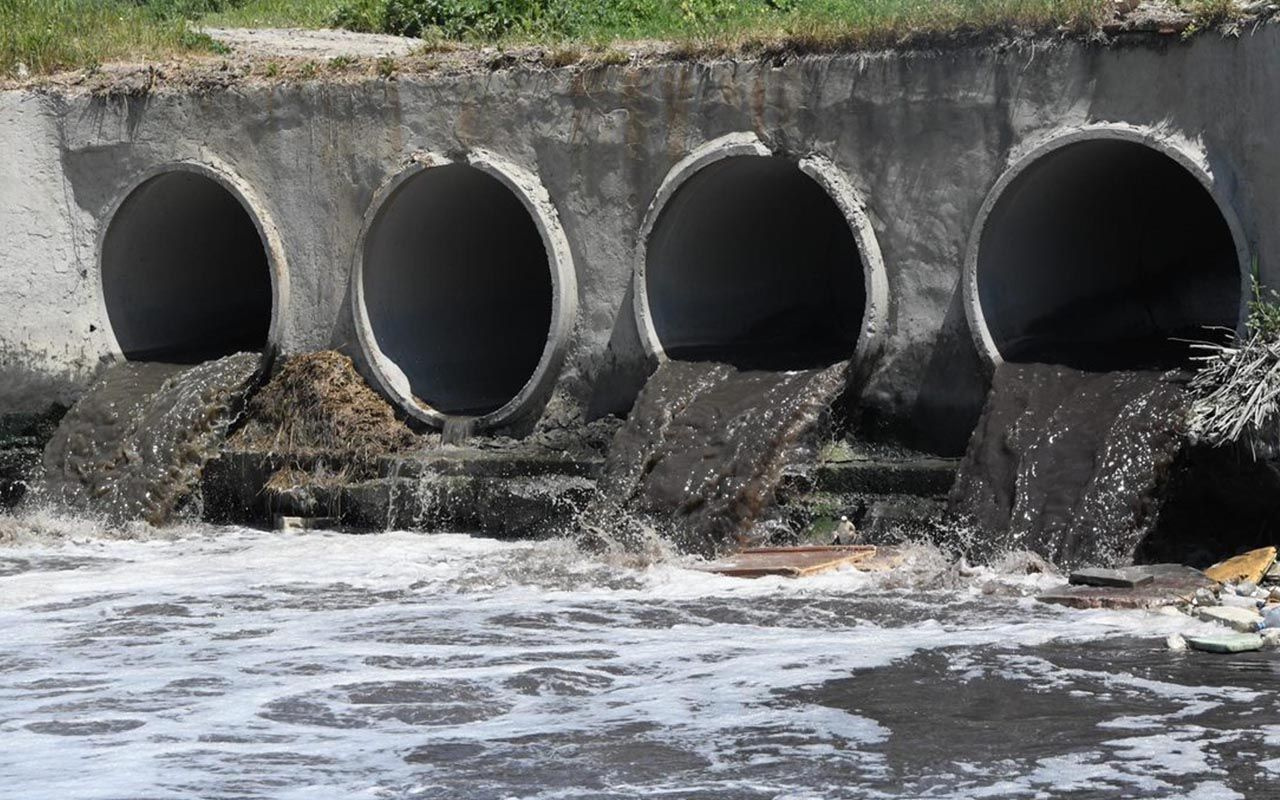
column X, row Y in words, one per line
column 318, row 403
column 1236, row 391
column 1237, row 395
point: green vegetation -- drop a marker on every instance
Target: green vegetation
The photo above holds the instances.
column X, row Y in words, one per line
column 274, row 14
column 597, row 20
column 48, row 35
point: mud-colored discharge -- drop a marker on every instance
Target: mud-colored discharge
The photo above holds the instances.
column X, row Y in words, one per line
column 1070, row 464
column 707, row 444
column 135, row 444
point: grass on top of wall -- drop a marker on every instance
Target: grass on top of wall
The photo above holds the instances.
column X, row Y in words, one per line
column 42, row 36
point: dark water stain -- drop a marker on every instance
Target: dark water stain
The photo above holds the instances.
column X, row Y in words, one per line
column 134, row 445
column 556, row 681
column 242, row 633
column 707, row 444
column 1008, row 710
column 94, row 727
column 157, row 610
column 367, row 705
column 574, row 764
column 1068, row 463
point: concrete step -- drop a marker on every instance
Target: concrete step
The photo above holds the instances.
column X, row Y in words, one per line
column 920, row 477
column 878, row 517
column 457, row 490
column 479, row 462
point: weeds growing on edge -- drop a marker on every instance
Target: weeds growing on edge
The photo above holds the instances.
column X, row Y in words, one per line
column 47, row 35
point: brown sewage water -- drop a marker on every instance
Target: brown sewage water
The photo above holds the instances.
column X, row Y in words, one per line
column 1070, row 463
column 134, row 445
column 244, row 665
column 228, row 663
column 707, row 444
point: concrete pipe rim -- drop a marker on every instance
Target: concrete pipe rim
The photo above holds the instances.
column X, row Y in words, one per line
column 834, row 183
column 1192, row 158
column 536, row 201
column 248, row 199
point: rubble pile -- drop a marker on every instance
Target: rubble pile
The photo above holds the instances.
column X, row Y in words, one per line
column 1241, row 596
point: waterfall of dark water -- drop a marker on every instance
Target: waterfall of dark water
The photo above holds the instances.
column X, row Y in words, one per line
column 134, row 445
column 706, row 445
column 1070, row 464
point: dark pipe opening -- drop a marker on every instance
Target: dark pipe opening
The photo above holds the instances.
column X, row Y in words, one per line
column 751, row 262
column 1100, row 255
column 458, row 289
column 185, row 274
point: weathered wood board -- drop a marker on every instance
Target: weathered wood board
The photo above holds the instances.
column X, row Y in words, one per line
column 791, row 562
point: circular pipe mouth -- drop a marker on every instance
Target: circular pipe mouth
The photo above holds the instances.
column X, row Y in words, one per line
column 758, row 260
column 465, row 292
column 189, row 270
column 1104, row 249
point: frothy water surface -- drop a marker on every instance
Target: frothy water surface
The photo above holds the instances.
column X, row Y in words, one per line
column 227, row 663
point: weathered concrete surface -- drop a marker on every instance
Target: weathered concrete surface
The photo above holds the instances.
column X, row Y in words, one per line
column 52, row 321
column 922, row 137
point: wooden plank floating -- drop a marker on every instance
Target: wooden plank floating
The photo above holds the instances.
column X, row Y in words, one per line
column 790, row 562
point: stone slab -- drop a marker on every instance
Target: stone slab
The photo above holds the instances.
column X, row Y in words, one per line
column 1241, row 619
column 1228, row 643
column 1250, row 566
column 919, row 477
column 1123, row 578
column 1171, row 584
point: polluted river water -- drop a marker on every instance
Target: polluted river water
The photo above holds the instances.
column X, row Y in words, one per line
column 221, row 662
column 195, row 660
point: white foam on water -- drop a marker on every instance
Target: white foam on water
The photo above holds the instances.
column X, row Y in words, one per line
column 218, row 662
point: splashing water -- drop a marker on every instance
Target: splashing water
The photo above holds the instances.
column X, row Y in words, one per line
column 134, row 445
column 224, row 663
column 1070, row 463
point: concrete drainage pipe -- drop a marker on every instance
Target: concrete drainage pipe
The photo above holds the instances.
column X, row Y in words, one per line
column 1098, row 252
column 186, row 272
column 465, row 291
column 754, row 259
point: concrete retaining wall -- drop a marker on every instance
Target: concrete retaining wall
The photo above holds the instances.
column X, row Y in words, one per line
column 921, row 139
